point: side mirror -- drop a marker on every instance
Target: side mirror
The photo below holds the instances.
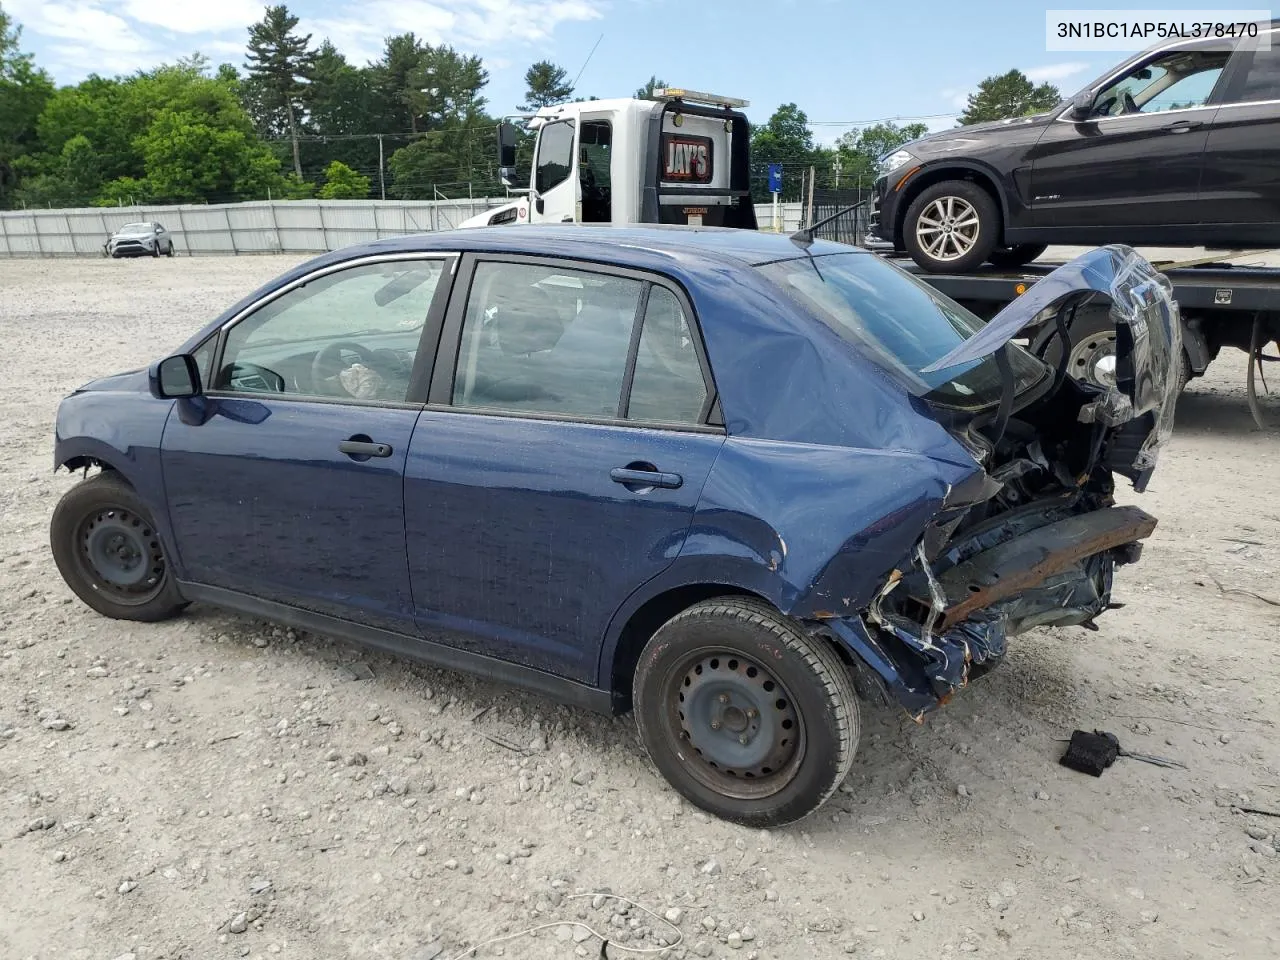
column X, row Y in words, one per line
column 1082, row 105
column 506, row 145
column 175, row 377
column 507, row 176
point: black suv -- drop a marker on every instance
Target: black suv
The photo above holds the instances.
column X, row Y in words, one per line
column 1178, row 146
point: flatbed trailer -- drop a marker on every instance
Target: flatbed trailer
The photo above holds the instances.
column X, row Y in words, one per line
column 1221, row 304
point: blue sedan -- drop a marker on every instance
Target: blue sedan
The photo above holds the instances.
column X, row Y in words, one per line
column 734, row 481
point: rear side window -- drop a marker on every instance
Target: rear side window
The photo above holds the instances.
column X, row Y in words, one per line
column 547, row 339
column 541, row 338
column 555, row 155
column 1262, row 79
column 668, row 385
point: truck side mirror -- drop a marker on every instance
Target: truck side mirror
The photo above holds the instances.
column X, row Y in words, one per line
column 1082, row 105
column 507, row 176
column 506, row 145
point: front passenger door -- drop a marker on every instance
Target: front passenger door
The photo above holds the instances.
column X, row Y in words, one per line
column 554, row 175
column 559, row 464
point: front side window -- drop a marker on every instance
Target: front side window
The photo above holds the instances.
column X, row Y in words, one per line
column 555, row 155
column 902, row 324
column 545, row 339
column 1172, row 81
column 352, row 334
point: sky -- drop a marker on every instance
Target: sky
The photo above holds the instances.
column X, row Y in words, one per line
column 844, row 62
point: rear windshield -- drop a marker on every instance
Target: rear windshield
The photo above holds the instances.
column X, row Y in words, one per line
column 903, row 324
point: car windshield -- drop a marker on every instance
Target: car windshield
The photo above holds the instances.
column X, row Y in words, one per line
column 903, row 324
column 136, row 228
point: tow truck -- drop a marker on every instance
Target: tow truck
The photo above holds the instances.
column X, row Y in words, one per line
column 682, row 158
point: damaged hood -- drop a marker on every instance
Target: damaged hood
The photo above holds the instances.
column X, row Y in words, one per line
column 1148, row 344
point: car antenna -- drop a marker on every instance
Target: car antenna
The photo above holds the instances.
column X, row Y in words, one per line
column 803, row 238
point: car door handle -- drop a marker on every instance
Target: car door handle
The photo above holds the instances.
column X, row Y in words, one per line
column 364, row 448
column 645, row 478
column 1183, row 126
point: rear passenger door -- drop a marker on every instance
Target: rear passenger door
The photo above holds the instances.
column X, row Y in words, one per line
column 557, row 467
column 1241, row 180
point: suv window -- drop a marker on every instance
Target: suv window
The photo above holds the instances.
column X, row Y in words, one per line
column 555, row 155
column 1262, row 81
column 541, row 338
column 352, row 334
column 1173, row 81
column 668, row 385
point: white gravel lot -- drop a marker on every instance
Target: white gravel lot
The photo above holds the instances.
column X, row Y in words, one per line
column 223, row 788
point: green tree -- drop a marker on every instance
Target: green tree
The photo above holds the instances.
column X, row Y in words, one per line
column 24, row 90
column 860, row 151
column 1006, row 96
column 280, row 61
column 342, row 102
column 546, row 85
column 786, row 138
column 653, row 83
column 402, row 56
column 343, row 183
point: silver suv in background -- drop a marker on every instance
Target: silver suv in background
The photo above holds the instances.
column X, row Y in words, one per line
column 139, row 240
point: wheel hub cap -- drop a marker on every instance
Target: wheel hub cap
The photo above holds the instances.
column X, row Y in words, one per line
column 948, row 228
column 122, row 553
column 737, row 718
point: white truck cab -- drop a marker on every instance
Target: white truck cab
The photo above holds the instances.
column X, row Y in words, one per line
column 680, row 158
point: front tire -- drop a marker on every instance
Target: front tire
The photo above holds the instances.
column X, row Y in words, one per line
column 951, row 227
column 744, row 714
column 109, row 553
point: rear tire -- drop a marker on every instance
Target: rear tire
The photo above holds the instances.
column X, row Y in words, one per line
column 169, row 252
column 952, row 227
column 109, row 553
column 1019, row 255
column 744, row 714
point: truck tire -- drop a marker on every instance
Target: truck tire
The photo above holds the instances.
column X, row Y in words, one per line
column 1019, row 255
column 1093, row 349
column 952, row 227
column 745, row 714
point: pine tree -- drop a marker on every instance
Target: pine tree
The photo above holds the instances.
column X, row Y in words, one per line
column 281, row 62
column 547, row 85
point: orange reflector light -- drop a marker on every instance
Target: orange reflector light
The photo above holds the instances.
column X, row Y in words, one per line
column 1020, row 289
column 905, row 177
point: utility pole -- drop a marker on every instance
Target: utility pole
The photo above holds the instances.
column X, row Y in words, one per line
column 837, row 171
column 382, row 180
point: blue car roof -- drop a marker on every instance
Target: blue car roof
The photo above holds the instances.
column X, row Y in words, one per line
column 747, row 246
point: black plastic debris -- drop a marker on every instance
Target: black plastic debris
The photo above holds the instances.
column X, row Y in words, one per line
column 1091, row 753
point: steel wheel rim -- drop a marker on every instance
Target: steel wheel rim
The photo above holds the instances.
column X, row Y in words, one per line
column 120, row 554
column 733, row 723
column 1093, row 359
column 948, row 228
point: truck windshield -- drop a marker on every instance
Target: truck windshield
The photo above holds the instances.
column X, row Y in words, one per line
column 902, row 324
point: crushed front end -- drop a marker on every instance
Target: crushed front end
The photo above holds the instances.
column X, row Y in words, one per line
column 1034, row 537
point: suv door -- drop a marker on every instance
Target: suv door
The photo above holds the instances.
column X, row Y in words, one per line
column 288, row 484
column 1136, row 162
column 556, row 196
column 1241, row 181
column 559, row 463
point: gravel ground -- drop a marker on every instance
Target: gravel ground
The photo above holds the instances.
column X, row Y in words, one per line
column 216, row 787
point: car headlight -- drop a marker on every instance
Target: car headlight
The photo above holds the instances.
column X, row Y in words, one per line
column 895, row 160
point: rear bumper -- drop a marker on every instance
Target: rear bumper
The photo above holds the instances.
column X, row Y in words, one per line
column 1058, row 572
